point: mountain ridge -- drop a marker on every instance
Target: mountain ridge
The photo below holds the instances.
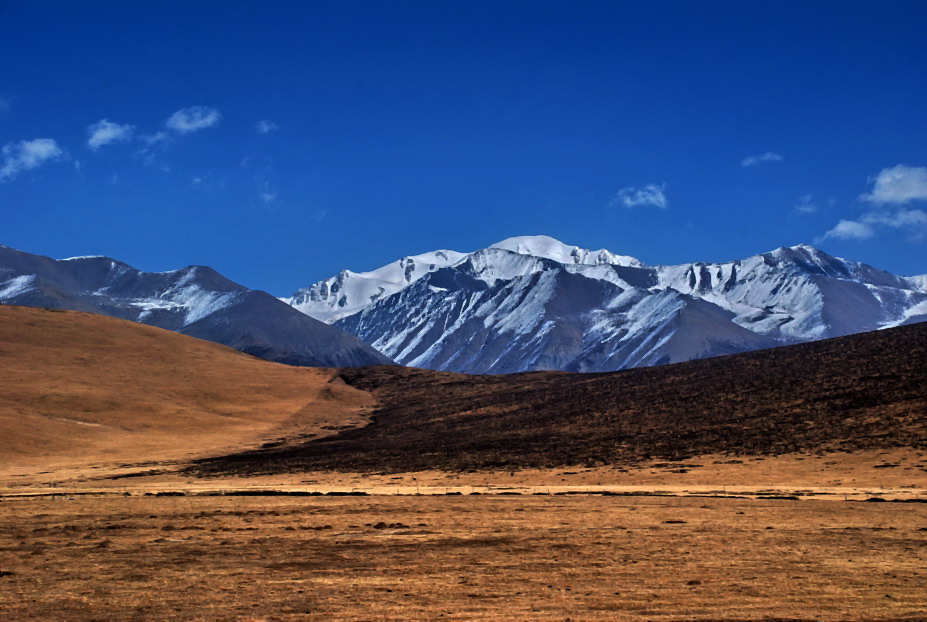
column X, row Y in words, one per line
column 194, row 300
column 454, row 316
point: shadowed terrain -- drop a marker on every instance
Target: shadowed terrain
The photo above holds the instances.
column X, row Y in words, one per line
column 861, row 392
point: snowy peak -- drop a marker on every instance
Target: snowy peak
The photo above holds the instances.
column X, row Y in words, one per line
column 494, row 264
column 811, row 261
column 533, row 302
column 349, row 292
column 195, row 300
column 551, row 248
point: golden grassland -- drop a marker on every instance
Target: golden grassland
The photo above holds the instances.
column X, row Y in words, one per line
column 98, row 416
column 82, row 389
column 707, row 544
column 487, row 557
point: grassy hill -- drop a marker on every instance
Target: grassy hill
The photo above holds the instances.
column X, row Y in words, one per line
column 87, row 388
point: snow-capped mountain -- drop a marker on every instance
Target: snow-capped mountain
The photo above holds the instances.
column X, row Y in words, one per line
column 349, row 292
column 533, row 302
column 196, row 301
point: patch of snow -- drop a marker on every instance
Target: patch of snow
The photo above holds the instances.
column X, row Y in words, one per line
column 16, row 286
column 349, row 292
column 551, row 248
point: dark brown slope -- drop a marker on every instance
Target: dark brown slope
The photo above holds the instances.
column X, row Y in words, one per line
column 864, row 391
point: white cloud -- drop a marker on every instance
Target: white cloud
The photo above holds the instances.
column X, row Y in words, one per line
column 650, row 195
column 892, row 189
column 5, row 103
column 912, row 222
column 762, row 158
column 193, row 119
column 265, row 126
column 27, row 155
column 900, row 184
column 806, row 204
column 105, row 132
column 901, row 219
column 848, row 230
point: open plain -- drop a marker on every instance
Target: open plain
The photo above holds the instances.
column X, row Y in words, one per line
column 468, row 557
column 145, row 475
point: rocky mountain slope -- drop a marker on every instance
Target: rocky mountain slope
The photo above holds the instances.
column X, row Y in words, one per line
column 533, row 303
column 195, row 300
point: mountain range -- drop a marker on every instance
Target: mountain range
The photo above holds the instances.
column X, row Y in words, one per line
column 534, row 303
column 523, row 304
column 196, row 301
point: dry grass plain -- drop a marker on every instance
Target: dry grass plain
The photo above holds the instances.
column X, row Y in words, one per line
column 99, row 415
column 467, row 557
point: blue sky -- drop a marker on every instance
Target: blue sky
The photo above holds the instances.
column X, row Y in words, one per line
column 280, row 142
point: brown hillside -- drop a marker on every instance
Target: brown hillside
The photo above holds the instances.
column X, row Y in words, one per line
column 866, row 391
column 84, row 388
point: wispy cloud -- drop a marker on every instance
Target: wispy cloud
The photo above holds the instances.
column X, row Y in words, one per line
column 208, row 182
column 650, row 195
column 806, row 204
column 193, row 119
column 762, row 158
column 158, row 138
column 266, row 126
column 892, row 190
column 105, row 132
column 898, row 185
column 27, row 155
column 848, row 230
column 5, row 103
column 152, row 145
column 908, row 219
column 267, row 194
column 912, row 222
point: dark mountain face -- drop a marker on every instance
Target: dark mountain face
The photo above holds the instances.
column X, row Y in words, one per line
column 196, row 300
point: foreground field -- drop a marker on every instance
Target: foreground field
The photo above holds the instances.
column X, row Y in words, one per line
column 142, row 474
column 466, row 557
